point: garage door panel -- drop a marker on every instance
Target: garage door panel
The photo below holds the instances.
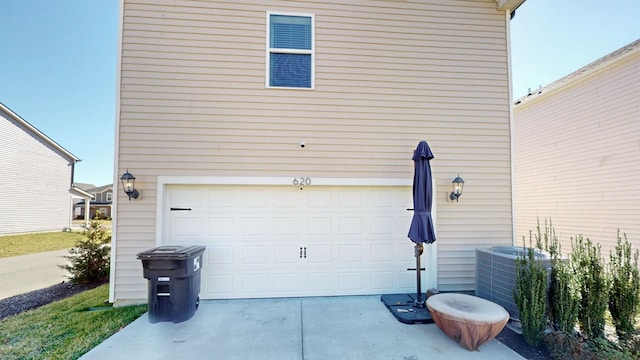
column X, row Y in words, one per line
column 319, row 200
column 187, row 226
column 188, row 197
column 254, row 283
column 350, row 282
column 286, row 225
column 255, row 198
column 319, row 282
column 287, row 254
column 350, row 253
column 381, row 225
column 349, row 225
column 382, row 280
column 254, row 255
column 319, row 225
column 286, row 283
column 220, row 198
column 381, row 252
column 318, row 254
column 219, row 286
column 354, row 238
column 220, row 226
column 219, row 255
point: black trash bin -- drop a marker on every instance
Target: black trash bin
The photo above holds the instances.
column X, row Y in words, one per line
column 174, row 281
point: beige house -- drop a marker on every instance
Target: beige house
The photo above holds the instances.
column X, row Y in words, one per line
column 577, row 152
column 279, row 134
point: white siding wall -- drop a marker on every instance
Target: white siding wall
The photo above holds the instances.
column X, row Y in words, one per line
column 577, row 151
column 388, row 74
column 35, row 181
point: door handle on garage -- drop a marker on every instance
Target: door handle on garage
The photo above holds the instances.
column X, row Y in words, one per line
column 179, row 209
column 305, row 252
column 300, row 252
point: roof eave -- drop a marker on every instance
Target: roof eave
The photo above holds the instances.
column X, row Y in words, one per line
column 509, row 4
column 79, row 192
column 39, row 134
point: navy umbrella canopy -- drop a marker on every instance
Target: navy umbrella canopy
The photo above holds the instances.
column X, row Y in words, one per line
column 408, row 308
column 421, row 230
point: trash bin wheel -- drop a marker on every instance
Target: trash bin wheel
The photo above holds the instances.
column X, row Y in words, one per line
column 197, row 302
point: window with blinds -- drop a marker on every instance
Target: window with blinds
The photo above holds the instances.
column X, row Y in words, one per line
column 290, row 54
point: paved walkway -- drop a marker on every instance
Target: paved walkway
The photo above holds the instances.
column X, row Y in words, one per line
column 22, row 274
column 327, row 328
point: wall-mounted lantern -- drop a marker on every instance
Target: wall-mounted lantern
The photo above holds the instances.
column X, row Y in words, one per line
column 128, row 183
column 458, row 184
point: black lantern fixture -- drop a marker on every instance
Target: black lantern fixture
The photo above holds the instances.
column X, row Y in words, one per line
column 458, row 184
column 128, row 183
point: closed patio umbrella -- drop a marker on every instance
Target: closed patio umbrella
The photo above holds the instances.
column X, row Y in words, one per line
column 407, row 308
column 421, row 230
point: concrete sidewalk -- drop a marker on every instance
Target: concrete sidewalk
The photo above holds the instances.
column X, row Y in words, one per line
column 22, row 274
column 327, row 328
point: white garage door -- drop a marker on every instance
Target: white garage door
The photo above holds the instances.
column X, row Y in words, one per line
column 277, row 241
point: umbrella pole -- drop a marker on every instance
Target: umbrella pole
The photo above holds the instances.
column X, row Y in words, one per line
column 418, row 252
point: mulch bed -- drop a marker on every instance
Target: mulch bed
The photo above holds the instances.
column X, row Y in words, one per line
column 517, row 343
column 31, row 300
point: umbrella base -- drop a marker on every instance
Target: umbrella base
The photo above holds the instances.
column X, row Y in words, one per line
column 406, row 309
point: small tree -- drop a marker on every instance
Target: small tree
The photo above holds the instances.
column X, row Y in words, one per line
column 624, row 297
column 593, row 283
column 89, row 259
column 530, row 295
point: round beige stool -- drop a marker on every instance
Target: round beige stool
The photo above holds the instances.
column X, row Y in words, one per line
column 469, row 320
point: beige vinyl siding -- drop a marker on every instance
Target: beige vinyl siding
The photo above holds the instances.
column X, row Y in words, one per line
column 576, row 154
column 388, row 74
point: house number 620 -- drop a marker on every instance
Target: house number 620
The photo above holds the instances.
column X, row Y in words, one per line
column 301, row 181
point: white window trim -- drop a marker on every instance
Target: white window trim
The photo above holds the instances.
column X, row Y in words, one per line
column 290, row 51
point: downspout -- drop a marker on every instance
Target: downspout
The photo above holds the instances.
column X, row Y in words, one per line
column 73, row 170
column 70, row 217
column 508, row 16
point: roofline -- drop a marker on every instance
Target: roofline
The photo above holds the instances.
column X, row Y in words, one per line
column 512, row 5
column 584, row 72
column 77, row 191
column 39, row 133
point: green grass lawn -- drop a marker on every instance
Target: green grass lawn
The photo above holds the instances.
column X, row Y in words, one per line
column 15, row 245
column 65, row 329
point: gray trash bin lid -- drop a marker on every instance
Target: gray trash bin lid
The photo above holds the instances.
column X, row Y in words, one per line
column 171, row 252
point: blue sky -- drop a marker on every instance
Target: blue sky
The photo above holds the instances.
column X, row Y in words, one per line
column 552, row 38
column 58, row 72
column 59, row 58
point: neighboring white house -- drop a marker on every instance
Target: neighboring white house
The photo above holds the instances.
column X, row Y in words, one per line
column 36, row 184
column 577, row 152
column 280, row 136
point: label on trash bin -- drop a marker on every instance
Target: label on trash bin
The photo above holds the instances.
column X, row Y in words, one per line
column 164, row 278
column 196, row 264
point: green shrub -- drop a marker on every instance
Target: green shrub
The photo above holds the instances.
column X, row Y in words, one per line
column 89, row 259
column 564, row 346
column 564, row 296
column 593, row 284
column 564, row 291
column 530, row 296
column 624, row 296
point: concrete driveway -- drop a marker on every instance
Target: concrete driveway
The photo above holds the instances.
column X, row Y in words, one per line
column 22, row 274
column 327, row 328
